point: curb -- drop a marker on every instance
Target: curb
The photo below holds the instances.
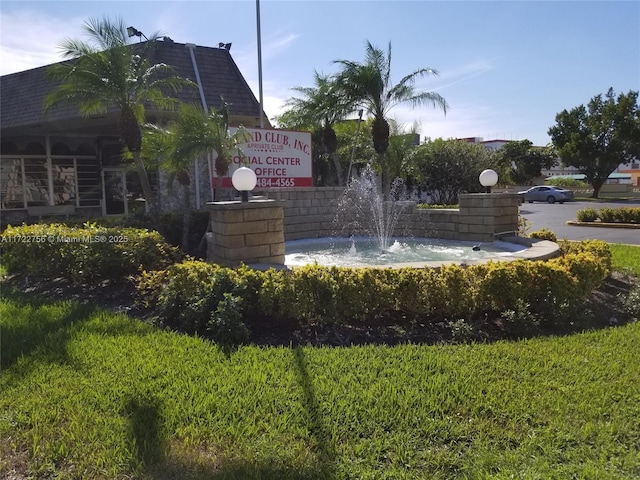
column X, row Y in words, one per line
column 601, row 224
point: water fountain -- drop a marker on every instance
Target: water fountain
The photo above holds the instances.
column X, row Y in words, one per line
column 363, row 210
column 364, row 234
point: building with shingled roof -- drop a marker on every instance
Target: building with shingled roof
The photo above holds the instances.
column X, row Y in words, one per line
column 62, row 163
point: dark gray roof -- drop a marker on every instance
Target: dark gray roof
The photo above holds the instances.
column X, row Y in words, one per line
column 22, row 94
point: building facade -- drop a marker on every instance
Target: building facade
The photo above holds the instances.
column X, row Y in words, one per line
column 65, row 164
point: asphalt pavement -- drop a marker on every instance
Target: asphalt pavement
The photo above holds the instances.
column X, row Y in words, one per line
column 554, row 217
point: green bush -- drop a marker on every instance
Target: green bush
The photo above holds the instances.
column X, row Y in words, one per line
column 607, row 215
column 598, row 249
column 226, row 325
column 170, row 226
column 193, row 297
column 610, row 215
column 188, row 295
column 544, row 234
column 565, row 182
column 629, row 215
column 83, row 253
column 587, row 215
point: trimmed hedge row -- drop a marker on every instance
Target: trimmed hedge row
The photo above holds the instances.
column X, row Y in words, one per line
column 610, row 215
column 186, row 294
column 82, row 253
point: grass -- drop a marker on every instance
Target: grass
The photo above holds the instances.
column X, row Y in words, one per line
column 92, row 394
column 626, row 258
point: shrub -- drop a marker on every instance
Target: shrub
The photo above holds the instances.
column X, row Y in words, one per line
column 619, row 215
column 523, row 226
column 202, row 298
column 199, row 297
column 83, row 253
column 520, row 321
column 564, row 182
column 170, row 226
column 544, row 234
column 226, row 325
column 587, row 215
column 599, row 250
column 607, row 215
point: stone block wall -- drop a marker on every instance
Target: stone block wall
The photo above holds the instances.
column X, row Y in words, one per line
column 310, row 213
column 484, row 216
column 255, row 232
column 250, row 232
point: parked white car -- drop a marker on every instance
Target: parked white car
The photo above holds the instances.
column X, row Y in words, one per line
column 543, row 193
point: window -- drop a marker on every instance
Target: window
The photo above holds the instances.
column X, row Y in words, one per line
column 36, row 182
column 64, row 181
column 11, row 189
column 89, row 188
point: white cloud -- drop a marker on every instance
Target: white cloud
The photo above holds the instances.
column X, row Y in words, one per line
column 472, row 120
column 30, row 39
column 462, row 73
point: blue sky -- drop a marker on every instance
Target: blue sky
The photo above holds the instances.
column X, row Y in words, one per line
column 506, row 68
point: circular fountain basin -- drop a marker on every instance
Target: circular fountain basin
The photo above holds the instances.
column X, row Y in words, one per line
column 405, row 252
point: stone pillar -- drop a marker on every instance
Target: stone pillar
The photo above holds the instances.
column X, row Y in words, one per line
column 485, row 215
column 250, row 232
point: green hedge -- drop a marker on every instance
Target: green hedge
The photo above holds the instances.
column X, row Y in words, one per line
column 170, row 226
column 81, row 253
column 186, row 294
column 610, row 215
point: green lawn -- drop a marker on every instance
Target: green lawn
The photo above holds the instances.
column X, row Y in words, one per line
column 100, row 395
column 626, row 258
column 89, row 394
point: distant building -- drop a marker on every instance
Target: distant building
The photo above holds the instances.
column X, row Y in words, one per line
column 490, row 144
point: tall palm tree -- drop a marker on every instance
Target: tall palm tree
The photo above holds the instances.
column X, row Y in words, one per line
column 326, row 104
column 369, row 85
column 108, row 73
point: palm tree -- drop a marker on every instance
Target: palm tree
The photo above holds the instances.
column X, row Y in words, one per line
column 196, row 133
column 369, row 85
column 193, row 134
column 326, row 104
column 109, row 73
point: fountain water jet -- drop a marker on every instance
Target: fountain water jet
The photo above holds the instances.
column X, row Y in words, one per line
column 362, row 209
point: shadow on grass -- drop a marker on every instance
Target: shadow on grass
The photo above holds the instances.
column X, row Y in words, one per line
column 233, row 470
column 39, row 329
column 159, row 462
column 146, row 441
column 317, row 427
column 47, row 326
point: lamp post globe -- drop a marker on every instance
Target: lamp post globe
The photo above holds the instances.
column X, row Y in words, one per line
column 488, row 178
column 244, row 180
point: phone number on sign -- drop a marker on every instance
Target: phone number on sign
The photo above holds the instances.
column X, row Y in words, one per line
column 276, row 182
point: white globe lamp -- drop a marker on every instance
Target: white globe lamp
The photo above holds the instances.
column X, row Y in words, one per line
column 488, row 178
column 244, row 180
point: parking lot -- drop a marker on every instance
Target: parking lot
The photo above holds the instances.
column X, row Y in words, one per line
column 554, row 217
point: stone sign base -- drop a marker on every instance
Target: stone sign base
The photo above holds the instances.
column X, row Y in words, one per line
column 250, row 232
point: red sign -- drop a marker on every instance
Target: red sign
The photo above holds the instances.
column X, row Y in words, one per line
column 279, row 158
